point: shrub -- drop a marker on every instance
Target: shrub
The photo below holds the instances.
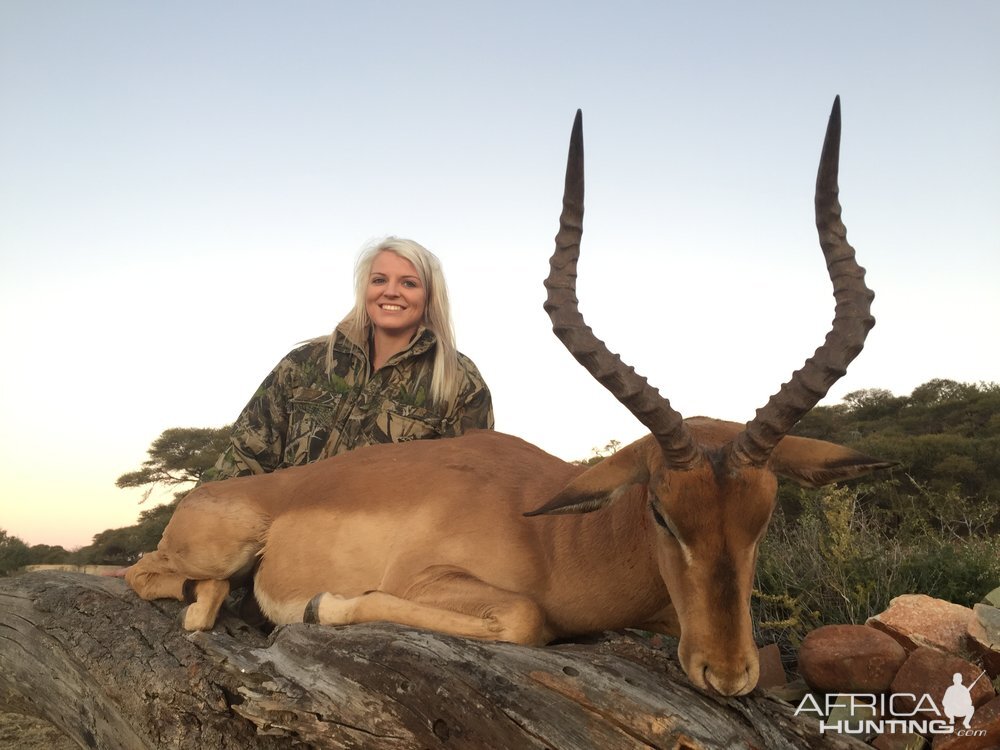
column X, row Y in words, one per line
column 843, row 556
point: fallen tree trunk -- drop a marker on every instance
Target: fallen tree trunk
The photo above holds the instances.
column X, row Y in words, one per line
column 111, row 670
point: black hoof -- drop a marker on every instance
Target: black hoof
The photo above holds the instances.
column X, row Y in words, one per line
column 311, row 613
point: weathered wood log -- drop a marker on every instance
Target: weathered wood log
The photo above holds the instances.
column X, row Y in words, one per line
column 113, row 671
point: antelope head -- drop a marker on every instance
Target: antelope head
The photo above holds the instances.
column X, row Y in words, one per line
column 710, row 486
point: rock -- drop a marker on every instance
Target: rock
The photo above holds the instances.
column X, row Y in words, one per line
column 984, row 637
column 792, row 693
column 899, row 742
column 916, row 620
column 928, row 671
column 851, row 717
column 985, row 720
column 772, row 672
column 849, row 659
column 993, row 598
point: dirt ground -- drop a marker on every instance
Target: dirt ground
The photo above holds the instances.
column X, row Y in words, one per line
column 19, row 732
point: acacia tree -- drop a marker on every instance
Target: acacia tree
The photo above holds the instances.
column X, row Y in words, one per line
column 178, row 456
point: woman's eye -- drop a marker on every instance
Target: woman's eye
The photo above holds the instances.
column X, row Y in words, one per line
column 410, row 284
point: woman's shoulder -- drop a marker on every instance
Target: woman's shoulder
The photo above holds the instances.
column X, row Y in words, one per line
column 466, row 361
column 470, row 373
column 308, row 351
column 306, row 356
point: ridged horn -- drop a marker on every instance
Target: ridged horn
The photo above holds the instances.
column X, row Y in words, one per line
column 563, row 307
column 851, row 323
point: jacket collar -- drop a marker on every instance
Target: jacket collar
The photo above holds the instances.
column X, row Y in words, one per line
column 420, row 343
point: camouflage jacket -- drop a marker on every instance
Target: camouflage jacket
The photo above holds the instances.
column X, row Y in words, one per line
column 302, row 412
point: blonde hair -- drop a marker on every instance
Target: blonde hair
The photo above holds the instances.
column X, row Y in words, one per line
column 437, row 312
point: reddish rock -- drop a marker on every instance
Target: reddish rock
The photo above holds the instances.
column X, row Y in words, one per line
column 985, row 720
column 772, row 672
column 849, row 659
column 928, row 671
column 916, row 620
column 984, row 637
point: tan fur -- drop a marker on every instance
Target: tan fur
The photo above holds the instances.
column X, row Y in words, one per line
column 433, row 534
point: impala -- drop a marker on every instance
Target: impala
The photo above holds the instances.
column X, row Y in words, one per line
column 487, row 536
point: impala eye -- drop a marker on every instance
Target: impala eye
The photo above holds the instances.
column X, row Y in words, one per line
column 660, row 520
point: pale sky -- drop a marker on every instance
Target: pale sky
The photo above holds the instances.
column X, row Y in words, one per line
column 184, row 188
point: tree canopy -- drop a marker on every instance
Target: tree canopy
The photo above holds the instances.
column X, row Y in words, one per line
column 946, row 435
column 179, row 455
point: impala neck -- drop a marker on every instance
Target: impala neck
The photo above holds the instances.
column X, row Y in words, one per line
column 589, row 554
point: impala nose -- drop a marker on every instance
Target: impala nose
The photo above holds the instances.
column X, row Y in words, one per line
column 731, row 682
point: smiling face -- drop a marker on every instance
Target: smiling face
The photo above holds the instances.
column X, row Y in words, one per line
column 396, row 297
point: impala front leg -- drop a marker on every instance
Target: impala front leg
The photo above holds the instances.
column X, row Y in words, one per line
column 154, row 577
column 665, row 622
column 205, row 600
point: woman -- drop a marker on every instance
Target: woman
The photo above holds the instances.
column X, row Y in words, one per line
column 389, row 372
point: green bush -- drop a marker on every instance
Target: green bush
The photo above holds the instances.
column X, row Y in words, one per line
column 13, row 553
column 843, row 554
column 960, row 572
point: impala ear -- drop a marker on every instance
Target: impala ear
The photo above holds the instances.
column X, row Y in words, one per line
column 814, row 463
column 599, row 485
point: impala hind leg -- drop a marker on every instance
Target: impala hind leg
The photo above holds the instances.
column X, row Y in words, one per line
column 451, row 602
column 210, row 539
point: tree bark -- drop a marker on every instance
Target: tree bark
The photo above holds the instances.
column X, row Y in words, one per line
column 113, row 671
